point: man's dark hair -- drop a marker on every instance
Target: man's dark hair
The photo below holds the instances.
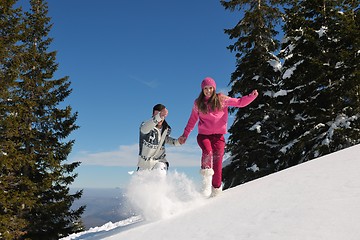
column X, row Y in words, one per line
column 158, row 107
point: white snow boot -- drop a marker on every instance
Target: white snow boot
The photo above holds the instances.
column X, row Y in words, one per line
column 206, row 181
column 161, row 169
column 215, row 191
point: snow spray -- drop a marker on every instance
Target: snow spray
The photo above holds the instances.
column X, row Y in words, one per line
column 157, row 196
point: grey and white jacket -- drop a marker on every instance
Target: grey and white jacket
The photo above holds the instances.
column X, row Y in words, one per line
column 152, row 142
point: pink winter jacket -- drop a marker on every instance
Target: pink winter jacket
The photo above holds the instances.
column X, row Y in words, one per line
column 215, row 122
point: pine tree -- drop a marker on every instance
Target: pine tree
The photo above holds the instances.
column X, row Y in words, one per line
column 321, row 79
column 16, row 191
column 251, row 142
column 35, row 144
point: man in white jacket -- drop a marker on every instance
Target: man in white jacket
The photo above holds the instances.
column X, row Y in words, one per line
column 154, row 134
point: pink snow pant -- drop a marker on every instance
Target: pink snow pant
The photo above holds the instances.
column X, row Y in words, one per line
column 212, row 147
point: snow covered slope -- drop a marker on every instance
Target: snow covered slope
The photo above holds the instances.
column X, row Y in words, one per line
column 317, row 200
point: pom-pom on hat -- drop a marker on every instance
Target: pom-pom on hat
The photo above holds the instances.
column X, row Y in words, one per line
column 208, row 81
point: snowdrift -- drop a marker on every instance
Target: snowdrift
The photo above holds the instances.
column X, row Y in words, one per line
column 312, row 201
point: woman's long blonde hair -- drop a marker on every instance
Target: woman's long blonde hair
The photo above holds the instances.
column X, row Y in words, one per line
column 214, row 103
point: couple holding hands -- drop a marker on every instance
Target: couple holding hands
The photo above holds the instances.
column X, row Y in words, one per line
column 210, row 111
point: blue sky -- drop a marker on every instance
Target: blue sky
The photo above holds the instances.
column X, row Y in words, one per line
column 125, row 56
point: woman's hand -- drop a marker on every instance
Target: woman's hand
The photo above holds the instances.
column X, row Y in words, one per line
column 254, row 93
column 163, row 113
column 182, row 140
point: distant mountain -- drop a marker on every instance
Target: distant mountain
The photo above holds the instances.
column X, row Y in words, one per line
column 103, row 206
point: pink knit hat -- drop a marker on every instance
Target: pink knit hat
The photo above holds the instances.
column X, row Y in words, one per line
column 208, row 81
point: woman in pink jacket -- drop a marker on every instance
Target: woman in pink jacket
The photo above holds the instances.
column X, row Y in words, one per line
column 210, row 110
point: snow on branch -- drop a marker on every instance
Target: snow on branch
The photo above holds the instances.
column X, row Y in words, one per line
column 322, row 31
column 341, row 121
column 289, row 72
